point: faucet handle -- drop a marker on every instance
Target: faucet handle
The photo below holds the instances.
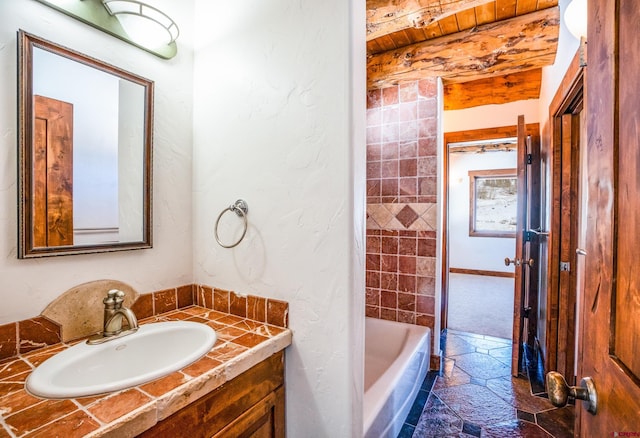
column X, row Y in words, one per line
column 110, row 299
column 114, row 298
column 119, row 299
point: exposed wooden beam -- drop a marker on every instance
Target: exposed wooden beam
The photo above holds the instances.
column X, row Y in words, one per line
column 521, row 43
column 388, row 16
column 493, row 91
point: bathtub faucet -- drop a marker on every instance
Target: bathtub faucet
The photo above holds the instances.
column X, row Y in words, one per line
column 114, row 314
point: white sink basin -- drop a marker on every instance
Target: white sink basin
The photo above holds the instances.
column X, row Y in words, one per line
column 155, row 350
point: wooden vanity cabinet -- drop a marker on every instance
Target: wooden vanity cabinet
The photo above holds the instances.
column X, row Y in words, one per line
column 250, row 405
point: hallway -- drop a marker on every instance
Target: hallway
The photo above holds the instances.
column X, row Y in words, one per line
column 481, row 304
column 475, row 396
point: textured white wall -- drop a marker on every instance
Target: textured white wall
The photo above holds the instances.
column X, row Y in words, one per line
column 553, row 74
column 274, row 111
column 27, row 286
column 469, row 252
column 491, row 116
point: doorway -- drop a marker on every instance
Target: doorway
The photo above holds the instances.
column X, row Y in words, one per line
column 496, row 147
column 482, row 140
column 481, row 224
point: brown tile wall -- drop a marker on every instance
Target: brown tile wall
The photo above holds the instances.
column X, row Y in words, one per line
column 274, row 312
column 39, row 332
column 401, row 202
column 28, row 335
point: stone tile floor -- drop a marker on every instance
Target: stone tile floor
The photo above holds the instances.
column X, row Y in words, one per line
column 474, row 395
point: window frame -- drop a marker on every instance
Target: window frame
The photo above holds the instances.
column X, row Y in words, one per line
column 486, row 173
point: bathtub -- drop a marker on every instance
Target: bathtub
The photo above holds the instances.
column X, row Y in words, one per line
column 396, row 362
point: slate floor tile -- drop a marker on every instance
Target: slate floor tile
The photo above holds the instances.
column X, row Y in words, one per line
column 437, row 420
column 514, row 429
column 517, row 392
column 481, row 366
column 477, row 404
column 474, row 395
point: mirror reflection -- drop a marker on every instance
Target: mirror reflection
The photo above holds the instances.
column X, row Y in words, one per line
column 85, row 153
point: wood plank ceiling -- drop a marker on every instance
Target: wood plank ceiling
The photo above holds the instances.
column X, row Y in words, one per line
column 486, row 51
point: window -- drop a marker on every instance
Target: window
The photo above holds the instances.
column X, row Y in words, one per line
column 493, row 202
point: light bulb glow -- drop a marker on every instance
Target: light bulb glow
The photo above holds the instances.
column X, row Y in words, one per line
column 144, row 24
column 575, row 17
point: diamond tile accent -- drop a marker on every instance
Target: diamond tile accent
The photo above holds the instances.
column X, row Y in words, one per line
column 420, row 208
column 371, row 224
column 394, row 224
column 395, row 216
column 380, row 214
column 421, row 225
column 394, row 208
column 407, row 216
column 430, row 216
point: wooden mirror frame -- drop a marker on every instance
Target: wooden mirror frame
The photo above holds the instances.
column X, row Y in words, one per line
column 26, row 248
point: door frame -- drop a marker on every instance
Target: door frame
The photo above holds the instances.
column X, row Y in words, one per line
column 457, row 137
column 560, row 337
column 610, row 334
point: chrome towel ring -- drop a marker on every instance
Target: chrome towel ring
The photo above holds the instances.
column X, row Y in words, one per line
column 241, row 209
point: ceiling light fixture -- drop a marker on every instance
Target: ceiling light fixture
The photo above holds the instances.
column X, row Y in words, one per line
column 146, row 25
column 137, row 23
column 575, row 18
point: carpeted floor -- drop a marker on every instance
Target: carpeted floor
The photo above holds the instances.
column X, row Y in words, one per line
column 481, row 304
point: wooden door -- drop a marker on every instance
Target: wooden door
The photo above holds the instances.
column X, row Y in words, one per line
column 52, row 173
column 566, row 237
column 610, row 344
column 526, row 261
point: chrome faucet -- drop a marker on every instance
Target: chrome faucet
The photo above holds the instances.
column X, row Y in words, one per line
column 114, row 313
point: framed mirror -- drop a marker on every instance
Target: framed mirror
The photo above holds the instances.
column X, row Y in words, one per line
column 84, row 153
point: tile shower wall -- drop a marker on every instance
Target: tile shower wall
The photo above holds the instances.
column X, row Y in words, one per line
column 401, row 202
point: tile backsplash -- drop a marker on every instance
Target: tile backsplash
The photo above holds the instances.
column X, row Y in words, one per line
column 24, row 336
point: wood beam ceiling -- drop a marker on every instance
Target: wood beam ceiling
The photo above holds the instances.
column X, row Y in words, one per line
column 493, row 91
column 388, row 16
column 522, row 43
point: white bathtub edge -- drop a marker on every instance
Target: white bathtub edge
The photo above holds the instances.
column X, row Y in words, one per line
column 390, row 392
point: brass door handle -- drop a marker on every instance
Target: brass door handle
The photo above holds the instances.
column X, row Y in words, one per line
column 559, row 392
column 518, row 262
column 508, row 261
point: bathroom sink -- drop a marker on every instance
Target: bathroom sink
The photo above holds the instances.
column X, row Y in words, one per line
column 155, row 350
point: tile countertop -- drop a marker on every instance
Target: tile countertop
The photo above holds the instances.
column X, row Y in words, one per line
column 241, row 344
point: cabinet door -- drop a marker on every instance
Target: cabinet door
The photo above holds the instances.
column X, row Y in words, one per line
column 265, row 419
column 245, row 406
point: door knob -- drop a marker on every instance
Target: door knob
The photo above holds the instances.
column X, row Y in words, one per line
column 517, row 262
column 559, row 392
column 508, row 261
